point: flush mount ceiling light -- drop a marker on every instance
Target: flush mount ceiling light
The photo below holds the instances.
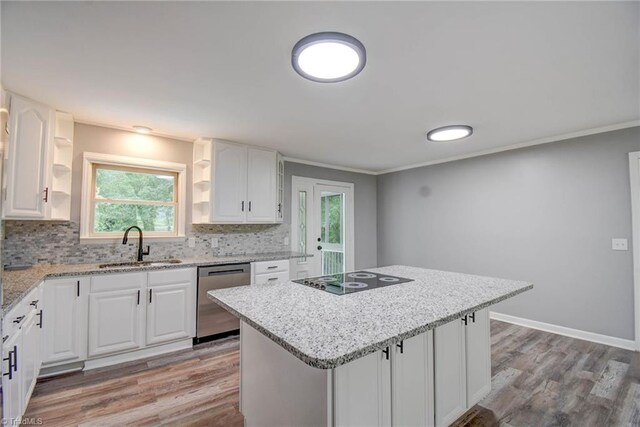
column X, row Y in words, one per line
column 328, row 57
column 142, row 129
column 449, row 133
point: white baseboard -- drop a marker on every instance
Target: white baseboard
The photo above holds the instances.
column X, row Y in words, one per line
column 138, row 354
column 567, row 332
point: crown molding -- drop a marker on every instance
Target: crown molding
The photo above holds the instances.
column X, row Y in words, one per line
column 587, row 132
column 328, row 166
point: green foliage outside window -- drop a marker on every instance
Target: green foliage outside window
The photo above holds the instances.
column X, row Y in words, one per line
column 331, row 218
column 123, row 189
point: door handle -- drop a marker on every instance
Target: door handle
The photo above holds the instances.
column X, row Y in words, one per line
column 40, row 316
column 472, row 316
column 243, row 206
column 319, row 247
column 400, row 345
column 249, row 206
column 78, row 288
column 150, row 295
column 46, row 195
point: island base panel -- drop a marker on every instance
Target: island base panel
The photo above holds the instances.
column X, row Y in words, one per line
column 276, row 388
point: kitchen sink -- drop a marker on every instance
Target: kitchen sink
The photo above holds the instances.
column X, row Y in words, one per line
column 140, row 263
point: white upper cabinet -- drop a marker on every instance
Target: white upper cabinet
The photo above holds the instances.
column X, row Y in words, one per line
column 234, row 183
column 30, row 134
column 261, row 185
column 38, row 162
column 230, row 182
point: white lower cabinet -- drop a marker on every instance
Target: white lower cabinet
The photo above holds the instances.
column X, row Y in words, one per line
column 412, row 382
column 116, row 322
column 478, row 352
column 462, row 365
column 362, row 391
column 21, row 356
column 12, row 400
column 170, row 306
column 64, row 320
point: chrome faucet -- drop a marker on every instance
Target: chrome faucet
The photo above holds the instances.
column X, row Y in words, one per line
column 141, row 251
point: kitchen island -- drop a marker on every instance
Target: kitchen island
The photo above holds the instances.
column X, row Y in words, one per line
column 415, row 353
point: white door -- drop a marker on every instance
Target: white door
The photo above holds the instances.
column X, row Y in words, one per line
column 261, row 185
column 478, row 350
column 363, row 391
column 412, row 387
column 30, row 127
column 169, row 310
column 322, row 224
column 115, row 321
column 31, row 354
column 64, row 320
column 11, row 379
column 450, row 376
column 229, row 183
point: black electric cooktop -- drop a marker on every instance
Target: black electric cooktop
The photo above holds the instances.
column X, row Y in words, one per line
column 348, row 283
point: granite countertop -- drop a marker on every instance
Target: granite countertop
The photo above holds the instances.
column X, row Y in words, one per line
column 326, row 330
column 17, row 283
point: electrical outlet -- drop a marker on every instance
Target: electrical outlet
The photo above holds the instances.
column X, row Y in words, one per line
column 192, row 242
column 619, row 245
column 286, row 241
column 214, row 242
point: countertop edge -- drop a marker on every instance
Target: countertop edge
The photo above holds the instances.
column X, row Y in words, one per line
column 349, row 357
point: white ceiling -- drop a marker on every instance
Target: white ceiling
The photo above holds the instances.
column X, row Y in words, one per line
column 514, row 71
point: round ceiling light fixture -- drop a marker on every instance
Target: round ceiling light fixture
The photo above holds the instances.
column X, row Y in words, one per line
column 142, row 129
column 449, row 133
column 328, row 57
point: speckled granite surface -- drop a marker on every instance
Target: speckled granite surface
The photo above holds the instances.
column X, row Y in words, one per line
column 326, row 330
column 16, row 284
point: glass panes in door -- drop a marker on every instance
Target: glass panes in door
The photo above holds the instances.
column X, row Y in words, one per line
column 332, row 237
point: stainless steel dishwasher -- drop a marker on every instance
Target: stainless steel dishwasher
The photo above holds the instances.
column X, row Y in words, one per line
column 211, row 318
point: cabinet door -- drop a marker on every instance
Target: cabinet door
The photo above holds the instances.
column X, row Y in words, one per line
column 229, row 183
column 64, row 320
column 362, row 392
column 261, row 185
column 412, row 387
column 30, row 127
column 30, row 358
column 169, row 312
column 450, row 375
column 116, row 321
column 478, row 350
column 12, row 405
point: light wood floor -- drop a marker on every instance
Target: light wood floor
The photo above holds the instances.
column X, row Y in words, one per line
column 539, row 379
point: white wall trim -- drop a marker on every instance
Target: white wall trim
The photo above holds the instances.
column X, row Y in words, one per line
column 328, row 166
column 634, row 176
column 586, row 132
column 567, row 332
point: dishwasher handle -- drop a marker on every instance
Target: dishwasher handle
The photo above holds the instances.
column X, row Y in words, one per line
column 223, row 269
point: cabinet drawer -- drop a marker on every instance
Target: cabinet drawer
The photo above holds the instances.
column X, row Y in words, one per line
column 115, row 282
column 280, row 277
column 172, row 276
column 270, row 266
column 17, row 314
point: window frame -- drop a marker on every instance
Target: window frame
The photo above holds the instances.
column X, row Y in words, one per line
column 134, row 164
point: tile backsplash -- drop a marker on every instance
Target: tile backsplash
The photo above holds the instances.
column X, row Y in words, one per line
column 46, row 242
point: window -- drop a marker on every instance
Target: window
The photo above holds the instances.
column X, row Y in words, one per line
column 119, row 192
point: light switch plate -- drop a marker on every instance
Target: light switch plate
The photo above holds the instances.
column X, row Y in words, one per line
column 214, row 242
column 192, row 242
column 619, row 244
column 286, row 241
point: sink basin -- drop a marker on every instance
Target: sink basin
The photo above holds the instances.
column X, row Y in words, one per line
column 140, row 263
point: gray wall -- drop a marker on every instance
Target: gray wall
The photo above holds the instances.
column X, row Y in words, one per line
column 544, row 214
column 364, row 200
